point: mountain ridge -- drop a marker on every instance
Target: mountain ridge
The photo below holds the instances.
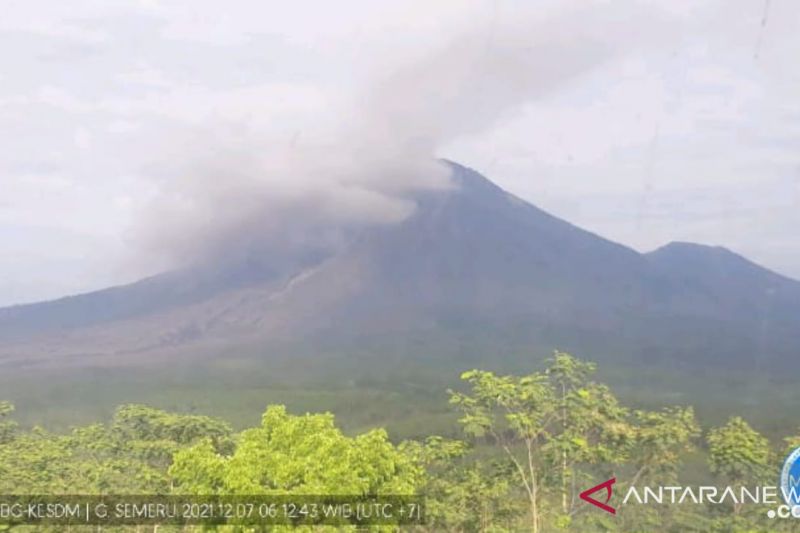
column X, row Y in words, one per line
column 472, row 258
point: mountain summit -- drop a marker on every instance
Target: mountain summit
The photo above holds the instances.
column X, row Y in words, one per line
column 473, row 269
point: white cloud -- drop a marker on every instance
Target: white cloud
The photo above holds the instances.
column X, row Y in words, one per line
column 693, row 137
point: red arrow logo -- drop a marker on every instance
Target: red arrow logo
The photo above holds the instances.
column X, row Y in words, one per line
column 586, row 495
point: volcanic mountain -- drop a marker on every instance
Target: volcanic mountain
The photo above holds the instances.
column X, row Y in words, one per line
column 475, row 273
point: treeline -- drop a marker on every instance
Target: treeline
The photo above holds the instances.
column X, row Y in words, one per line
column 530, row 445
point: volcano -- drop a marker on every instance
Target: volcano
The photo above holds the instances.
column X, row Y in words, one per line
column 474, row 273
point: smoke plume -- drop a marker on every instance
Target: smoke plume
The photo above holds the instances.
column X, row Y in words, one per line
column 234, row 195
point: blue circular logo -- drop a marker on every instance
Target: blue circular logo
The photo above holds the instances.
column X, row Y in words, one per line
column 790, row 479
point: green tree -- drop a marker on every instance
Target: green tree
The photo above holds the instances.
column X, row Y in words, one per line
column 131, row 455
column 519, row 414
column 34, row 462
column 557, row 418
column 298, row 455
column 792, row 443
column 738, row 455
column 154, row 436
column 593, row 425
column 472, row 496
column 7, row 426
column 653, row 451
column 658, row 440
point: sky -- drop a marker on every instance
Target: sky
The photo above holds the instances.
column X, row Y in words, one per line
column 138, row 134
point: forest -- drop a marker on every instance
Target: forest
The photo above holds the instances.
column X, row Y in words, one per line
column 528, row 446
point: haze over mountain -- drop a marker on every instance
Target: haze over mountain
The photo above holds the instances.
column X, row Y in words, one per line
column 473, row 272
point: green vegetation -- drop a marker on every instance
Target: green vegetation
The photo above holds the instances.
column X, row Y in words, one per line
column 297, row 455
column 527, row 447
column 6, row 426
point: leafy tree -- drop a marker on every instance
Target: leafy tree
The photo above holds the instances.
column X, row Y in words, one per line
column 592, row 423
column 792, row 443
column 472, row 496
column 557, row 418
column 7, row 426
column 298, row 455
column 519, row 414
column 153, row 435
column 658, row 440
column 558, row 425
column 652, row 451
column 461, row 495
column 738, row 455
column 34, row 462
column 129, row 456
column 568, row 376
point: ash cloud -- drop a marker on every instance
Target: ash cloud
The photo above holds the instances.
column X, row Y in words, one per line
column 228, row 194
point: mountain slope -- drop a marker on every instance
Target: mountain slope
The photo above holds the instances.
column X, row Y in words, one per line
column 733, row 284
column 474, row 272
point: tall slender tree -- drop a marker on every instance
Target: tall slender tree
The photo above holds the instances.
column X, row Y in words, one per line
column 7, row 426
